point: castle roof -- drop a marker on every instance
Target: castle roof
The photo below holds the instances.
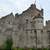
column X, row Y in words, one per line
column 32, row 10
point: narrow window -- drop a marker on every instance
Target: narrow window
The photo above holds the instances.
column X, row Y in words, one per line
column 35, row 31
column 26, row 20
column 41, row 31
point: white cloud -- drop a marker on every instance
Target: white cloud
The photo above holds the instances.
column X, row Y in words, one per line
column 14, row 6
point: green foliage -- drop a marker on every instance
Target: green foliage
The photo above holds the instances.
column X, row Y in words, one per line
column 34, row 49
column 30, row 48
column 14, row 48
column 39, row 48
column 20, row 49
column 8, row 44
column 48, row 48
column 45, row 49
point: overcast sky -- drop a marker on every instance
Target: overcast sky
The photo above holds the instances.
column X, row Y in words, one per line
column 8, row 6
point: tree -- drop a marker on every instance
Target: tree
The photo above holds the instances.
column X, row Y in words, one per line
column 8, row 44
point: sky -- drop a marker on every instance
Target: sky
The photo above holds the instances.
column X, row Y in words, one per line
column 18, row 6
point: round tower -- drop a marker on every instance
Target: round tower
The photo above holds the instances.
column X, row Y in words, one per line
column 39, row 30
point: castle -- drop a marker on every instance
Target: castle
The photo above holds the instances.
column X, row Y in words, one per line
column 26, row 29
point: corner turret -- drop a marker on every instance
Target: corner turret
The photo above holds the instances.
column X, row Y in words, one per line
column 38, row 22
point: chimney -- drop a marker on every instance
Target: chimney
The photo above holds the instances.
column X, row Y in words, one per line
column 33, row 5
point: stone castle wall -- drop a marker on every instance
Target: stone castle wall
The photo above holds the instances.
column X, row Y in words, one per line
column 25, row 29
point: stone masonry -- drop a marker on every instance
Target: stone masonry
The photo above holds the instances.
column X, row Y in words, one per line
column 26, row 29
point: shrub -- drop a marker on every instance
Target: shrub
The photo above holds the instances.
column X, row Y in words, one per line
column 20, row 48
column 34, row 49
column 30, row 48
column 8, row 44
column 45, row 49
column 39, row 48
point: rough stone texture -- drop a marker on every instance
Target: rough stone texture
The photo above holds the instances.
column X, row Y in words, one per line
column 26, row 29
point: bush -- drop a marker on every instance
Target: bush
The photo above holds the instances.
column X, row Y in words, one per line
column 30, row 48
column 39, row 48
column 34, row 49
column 48, row 48
column 14, row 48
column 45, row 49
column 20, row 49
column 8, row 44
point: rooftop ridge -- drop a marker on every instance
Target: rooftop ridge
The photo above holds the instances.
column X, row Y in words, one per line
column 31, row 8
